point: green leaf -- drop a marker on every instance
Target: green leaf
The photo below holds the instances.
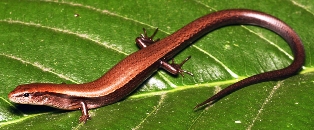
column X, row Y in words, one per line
column 45, row 41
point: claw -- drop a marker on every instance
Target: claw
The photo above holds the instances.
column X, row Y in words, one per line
column 144, row 40
column 179, row 66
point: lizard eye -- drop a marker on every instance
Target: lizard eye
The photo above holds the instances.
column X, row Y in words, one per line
column 26, row 94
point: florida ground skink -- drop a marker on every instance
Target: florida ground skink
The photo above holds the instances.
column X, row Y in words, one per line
column 128, row 74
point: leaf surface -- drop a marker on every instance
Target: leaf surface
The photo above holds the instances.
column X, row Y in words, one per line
column 77, row 41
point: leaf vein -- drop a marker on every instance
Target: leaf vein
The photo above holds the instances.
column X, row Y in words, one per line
column 41, row 67
column 267, row 100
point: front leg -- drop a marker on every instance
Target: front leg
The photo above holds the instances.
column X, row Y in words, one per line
column 84, row 117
